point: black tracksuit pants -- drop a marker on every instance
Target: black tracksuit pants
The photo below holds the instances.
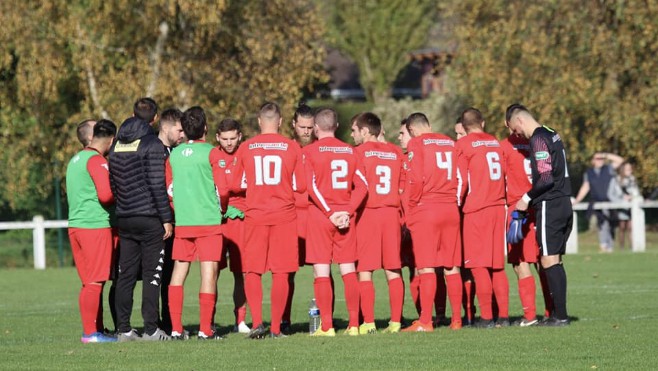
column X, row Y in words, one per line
column 140, row 246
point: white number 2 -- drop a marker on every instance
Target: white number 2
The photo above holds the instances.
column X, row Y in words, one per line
column 338, row 174
column 445, row 165
column 268, row 170
column 384, row 185
column 495, row 171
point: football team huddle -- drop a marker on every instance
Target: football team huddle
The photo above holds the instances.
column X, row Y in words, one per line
column 453, row 211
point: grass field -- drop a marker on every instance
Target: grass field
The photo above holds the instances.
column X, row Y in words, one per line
column 612, row 301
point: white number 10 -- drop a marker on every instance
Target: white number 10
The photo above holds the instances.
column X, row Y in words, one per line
column 268, row 170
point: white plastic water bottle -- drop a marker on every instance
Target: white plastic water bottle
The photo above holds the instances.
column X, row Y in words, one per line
column 313, row 317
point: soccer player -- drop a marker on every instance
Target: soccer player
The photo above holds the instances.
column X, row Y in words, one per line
column 89, row 195
column 229, row 135
column 271, row 167
column 550, row 197
column 194, row 181
column 378, row 225
column 85, row 131
column 516, row 152
column 480, row 163
column 144, row 218
column 302, row 125
column 336, row 191
column 433, row 217
column 170, row 133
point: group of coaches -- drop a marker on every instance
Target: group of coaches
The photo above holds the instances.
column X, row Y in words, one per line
column 355, row 197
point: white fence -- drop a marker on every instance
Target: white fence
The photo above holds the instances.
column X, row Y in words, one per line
column 638, row 237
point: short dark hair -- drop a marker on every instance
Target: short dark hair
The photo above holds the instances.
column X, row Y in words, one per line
column 303, row 110
column 403, row 122
column 105, row 129
column 471, row 117
column 228, row 124
column 83, row 131
column 326, row 119
column 194, row 123
column 417, row 118
column 171, row 115
column 370, row 121
column 145, row 109
column 512, row 109
column 269, row 110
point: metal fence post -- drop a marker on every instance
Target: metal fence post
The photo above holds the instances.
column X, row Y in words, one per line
column 572, row 242
column 39, row 242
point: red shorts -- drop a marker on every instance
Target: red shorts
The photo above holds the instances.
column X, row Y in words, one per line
column 205, row 249
column 92, row 252
column 233, row 232
column 326, row 244
column 527, row 250
column 378, row 239
column 435, row 231
column 484, row 238
column 270, row 248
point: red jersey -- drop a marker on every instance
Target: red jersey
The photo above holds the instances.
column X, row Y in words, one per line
column 381, row 165
column 226, row 161
column 432, row 173
column 271, row 168
column 481, row 166
column 516, row 152
column 333, row 184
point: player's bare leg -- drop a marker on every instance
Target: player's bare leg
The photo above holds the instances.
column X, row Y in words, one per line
column 454, row 289
column 239, row 301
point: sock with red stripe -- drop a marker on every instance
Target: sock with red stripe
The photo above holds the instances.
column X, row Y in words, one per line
column 527, row 292
column 440, row 297
column 323, row 295
column 253, row 289
column 89, row 300
column 414, row 287
column 500, row 286
column 176, row 308
column 396, row 298
column 427, row 293
column 351, row 284
column 454, row 289
column 278, row 297
column 206, row 312
column 484, row 291
column 367, row 299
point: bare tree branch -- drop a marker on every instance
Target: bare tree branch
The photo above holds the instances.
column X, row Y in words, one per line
column 156, row 57
column 91, row 79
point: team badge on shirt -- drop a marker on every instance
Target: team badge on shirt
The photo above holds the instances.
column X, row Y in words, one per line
column 411, row 156
column 222, row 163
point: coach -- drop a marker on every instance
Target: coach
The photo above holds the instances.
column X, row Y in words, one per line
column 144, row 218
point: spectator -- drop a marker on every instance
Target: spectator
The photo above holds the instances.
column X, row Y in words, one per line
column 597, row 181
column 625, row 189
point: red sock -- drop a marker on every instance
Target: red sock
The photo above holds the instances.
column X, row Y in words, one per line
column 427, row 293
column 89, row 300
column 548, row 299
column 468, row 299
column 278, row 297
column 289, row 296
column 396, row 299
column 176, row 308
column 414, row 287
column 323, row 295
column 206, row 311
column 351, row 284
column 484, row 291
column 367, row 299
column 253, row 289
column 240, row 314
column 527, row 293
column 454, row 289
column 100, row 325
column 501, row 289
column 440, row 296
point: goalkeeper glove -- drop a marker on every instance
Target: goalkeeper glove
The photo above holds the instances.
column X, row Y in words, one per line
column 515, row 231
column 233, row 212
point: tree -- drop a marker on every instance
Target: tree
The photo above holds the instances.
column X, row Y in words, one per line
column 586, row 68
column 61, row 62
column 377, row 35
